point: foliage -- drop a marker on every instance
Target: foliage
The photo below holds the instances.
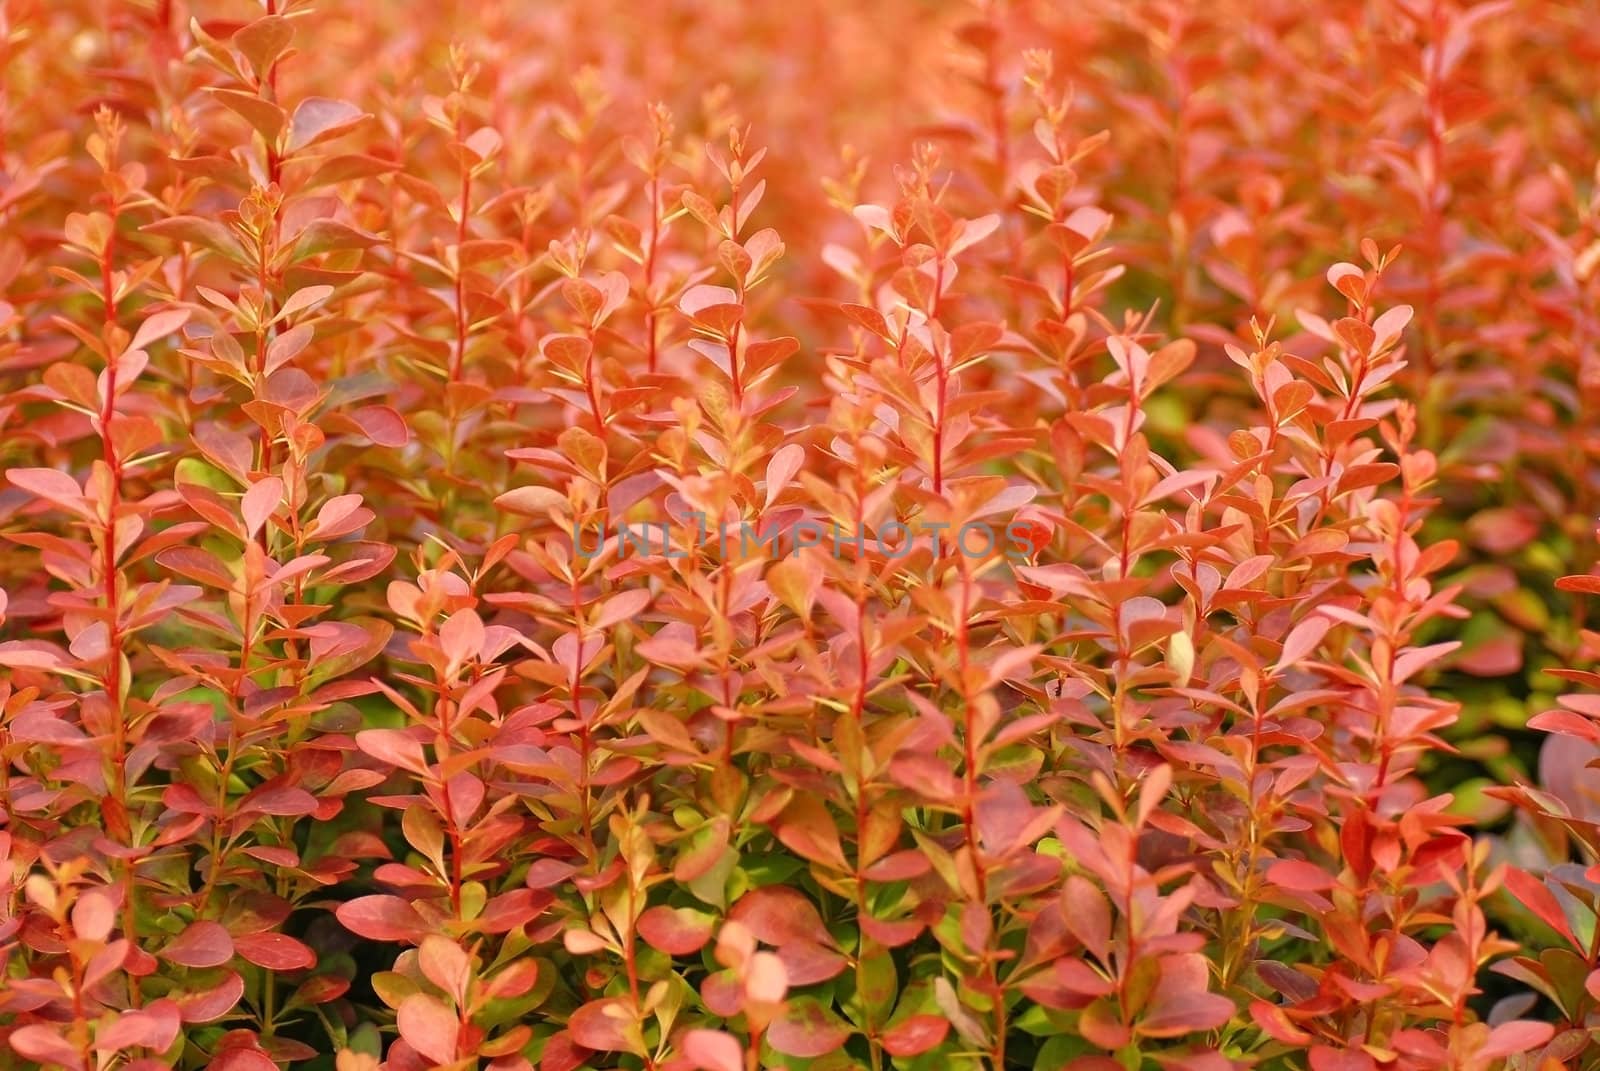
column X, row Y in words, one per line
column 1198, row 402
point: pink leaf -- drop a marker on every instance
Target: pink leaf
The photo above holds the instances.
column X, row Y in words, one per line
column 1537, row 898
column 915, row 1036
column 208, row 1005
column 429, row 1027
column 259, row 504
column 44, row 1045
column 382, row 918
column 203, row 944
column 781, row 469
column 807, row 1030
column 713, row 1050
column 318, row 117
column 154, row 1027
column 446, row 965
column 275, row 951
column 94, row 915
column 677, row 931
column 395, row 747
column 239, row 1058
column 777, row 914
column 382, row 424
column 1516, row 1038
column 602, row 1025
column 54, row 487
column 1299, row 876
column 158, row 327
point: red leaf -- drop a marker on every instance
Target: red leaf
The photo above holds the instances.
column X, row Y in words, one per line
column 241, row 1059
column 777, row 914
column 546, row 873
column 1325, row 1058
column 1272, row 1019
column 275, row 951
column 158, row 327
column 382, row 424
column 713, row 1050
column 807, row 829
column 429, row 1027
column 1538, row 898
column 53, row 486
column 153, row 1027
column 603, row 1025
column 446, row 965
column 208, row 1005
column 321, row 989
column 915, row 1036
column 382, row 918
column 395, row 747
column 561, row 1053
column 318, row 117
column 1516, row 1038
column 807, row 1030
column 278, row 800
column 1299, row 876
column 203, row 944
column 94, row 915
column 43, row 1044
column 677, row 931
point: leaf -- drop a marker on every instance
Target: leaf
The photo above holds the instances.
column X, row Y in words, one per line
column 263, row 41
column 274, row 951
column 461, row 637
column 205, row 233
column 395, row 747
column 623, row 606
column 429, row 1027
column 1299, row 876
column 44, row 1045
column 1537, row 898
column 212, row 1002
column 915, row 1036
column 807, row 1030
column 605, row 1026
column 94, row 915
column 781, row 469
column 54, row 487
column 808, row 830
column 304, row 299
column 259, row 504
column 158, row 327
column 316, row 118
column 561, row 1053
column 1301, row 641
column 203, row 944
column 677, row 931
column 242, row 1059
column 1180, row 1003
column 713, row 1050
column 382, row 918
column 153, row 1027
column 327, row 235
column 279, row 800
column 777, row 915
column 287, row 346
column 265, row 117
column 446, row 965
column 382, row 424
column 1515, row 1038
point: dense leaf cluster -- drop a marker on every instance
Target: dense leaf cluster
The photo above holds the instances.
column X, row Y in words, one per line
column 1264, row 333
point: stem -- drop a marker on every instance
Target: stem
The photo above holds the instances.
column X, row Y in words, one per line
column 111, row 596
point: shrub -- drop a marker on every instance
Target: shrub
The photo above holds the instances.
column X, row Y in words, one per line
column 891, row 535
